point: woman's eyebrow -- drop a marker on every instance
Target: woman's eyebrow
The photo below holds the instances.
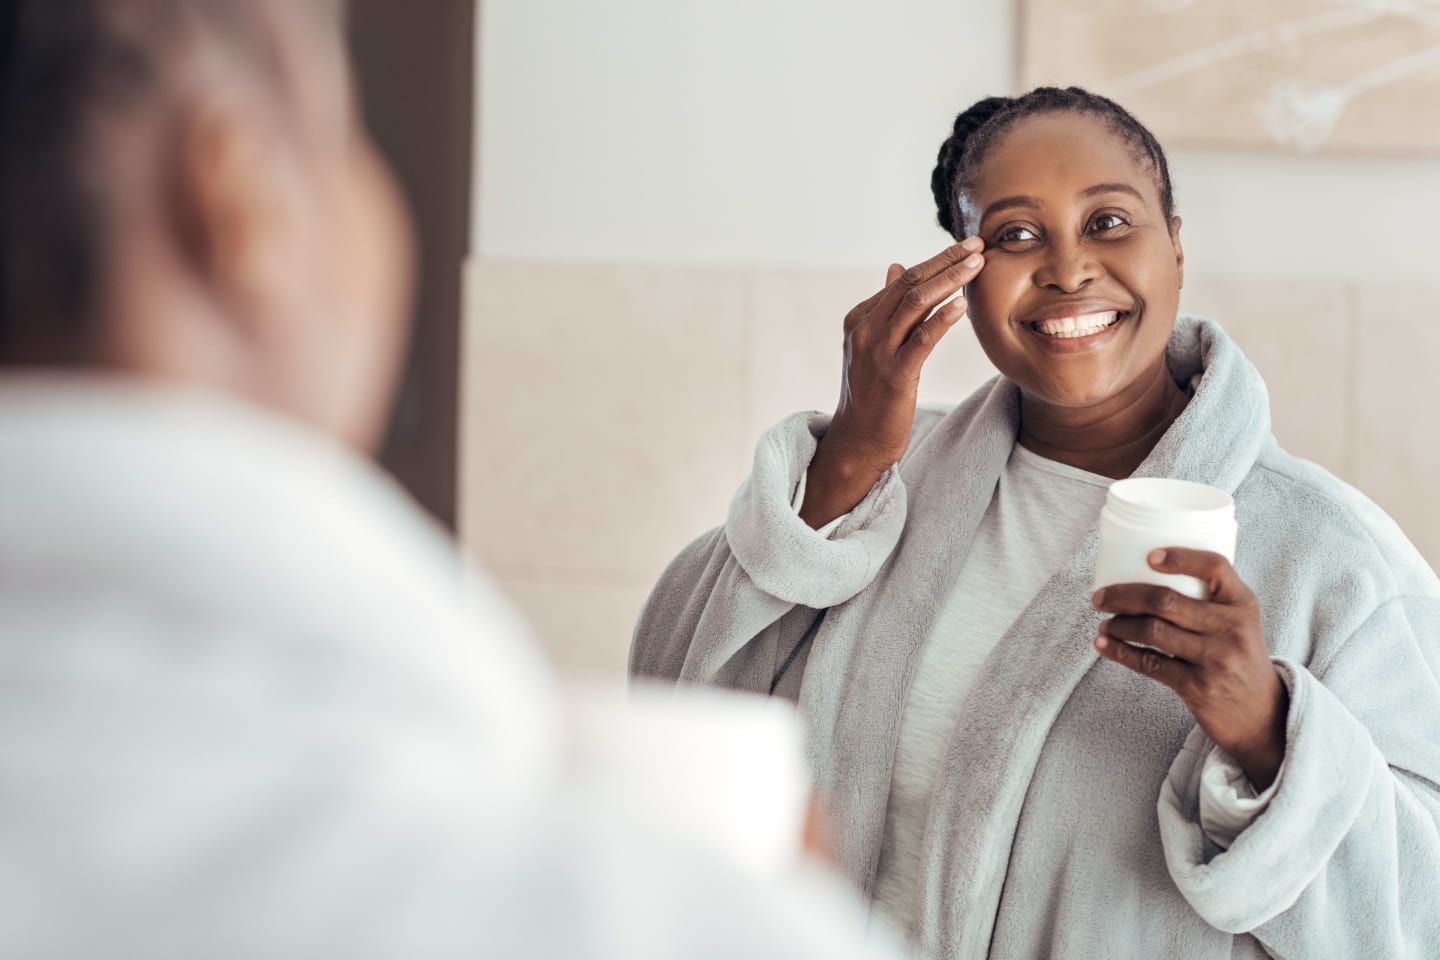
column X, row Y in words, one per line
column 1011, row 203
column 1035, row 203
column 1100, row 188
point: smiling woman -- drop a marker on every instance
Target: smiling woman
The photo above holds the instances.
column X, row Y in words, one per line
column 1083, row 274
column 1019, row 768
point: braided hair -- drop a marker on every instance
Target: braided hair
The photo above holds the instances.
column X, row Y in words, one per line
column 981, row 125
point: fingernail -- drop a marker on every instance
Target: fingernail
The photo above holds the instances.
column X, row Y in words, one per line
column 1101, row 643
column 974, row 260
column 973, row 243
column 1098, row 597
column 1157, row 558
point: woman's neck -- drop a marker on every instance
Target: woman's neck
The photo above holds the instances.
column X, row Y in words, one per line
column 1112, row 438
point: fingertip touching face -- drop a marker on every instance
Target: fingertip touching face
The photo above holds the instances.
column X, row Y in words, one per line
column 1082, row 275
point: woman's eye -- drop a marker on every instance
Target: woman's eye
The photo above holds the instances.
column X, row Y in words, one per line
column 1016, row 235
column 1107, row 221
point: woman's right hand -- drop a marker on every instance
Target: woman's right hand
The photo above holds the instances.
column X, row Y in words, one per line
column 888, row 338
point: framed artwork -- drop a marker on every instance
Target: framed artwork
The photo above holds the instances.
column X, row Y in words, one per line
column 1338, row 76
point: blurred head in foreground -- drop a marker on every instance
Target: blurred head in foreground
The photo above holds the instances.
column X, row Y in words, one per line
column 187, row 194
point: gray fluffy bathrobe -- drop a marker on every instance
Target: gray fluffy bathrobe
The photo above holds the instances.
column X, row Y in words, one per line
column 1065, row 822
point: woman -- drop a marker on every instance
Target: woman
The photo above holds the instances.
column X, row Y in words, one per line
column 1010, row 774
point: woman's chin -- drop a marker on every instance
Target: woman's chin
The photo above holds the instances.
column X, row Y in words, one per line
column 1091, row 392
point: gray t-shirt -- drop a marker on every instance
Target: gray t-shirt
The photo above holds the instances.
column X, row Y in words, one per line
column 1040, row 513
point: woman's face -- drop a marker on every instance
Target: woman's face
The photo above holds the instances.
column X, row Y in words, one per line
column 1082, row 272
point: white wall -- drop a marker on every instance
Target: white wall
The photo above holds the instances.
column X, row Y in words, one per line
column 743, row 131
column 1318, row 218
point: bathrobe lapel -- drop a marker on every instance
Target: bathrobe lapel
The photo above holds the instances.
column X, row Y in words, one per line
column 995, row 746
column 854, row 691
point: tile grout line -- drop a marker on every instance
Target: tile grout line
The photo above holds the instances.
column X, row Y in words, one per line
column 1350, row 384
column 749, row 299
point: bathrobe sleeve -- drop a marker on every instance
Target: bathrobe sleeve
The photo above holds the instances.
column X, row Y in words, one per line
column 1228, row 800
column 1345, row 861
column 734, row 604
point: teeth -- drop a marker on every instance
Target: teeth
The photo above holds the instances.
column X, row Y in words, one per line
column 1067, row 328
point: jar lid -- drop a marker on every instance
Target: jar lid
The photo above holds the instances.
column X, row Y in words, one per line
column 1162, row 500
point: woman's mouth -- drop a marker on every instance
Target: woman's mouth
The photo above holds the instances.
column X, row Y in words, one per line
column 1070, row 328
column 1080, row 332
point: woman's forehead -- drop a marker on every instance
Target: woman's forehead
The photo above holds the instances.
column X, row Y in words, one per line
column 1059, row 158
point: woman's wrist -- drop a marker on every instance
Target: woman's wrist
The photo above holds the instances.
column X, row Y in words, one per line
column 835, row 484
column 1262, row 758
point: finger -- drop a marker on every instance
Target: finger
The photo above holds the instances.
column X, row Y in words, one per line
column 948, row 257
column 892, row 273
column 1211, row 569
column 1153, row 632
column 1150, row 600
column 923, row 339
column 1175, row 674
column 922, row 273
column 819, row 834
column 917, row 302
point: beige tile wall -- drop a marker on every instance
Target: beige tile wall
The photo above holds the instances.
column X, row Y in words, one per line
column 1395, row 455
column 609, row 411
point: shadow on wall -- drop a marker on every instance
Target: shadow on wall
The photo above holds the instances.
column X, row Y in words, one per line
column 417, row 81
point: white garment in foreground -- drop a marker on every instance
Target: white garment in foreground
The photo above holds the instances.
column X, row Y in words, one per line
column 251, row 708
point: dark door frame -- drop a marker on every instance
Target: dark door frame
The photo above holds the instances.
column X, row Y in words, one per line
column 415, row 65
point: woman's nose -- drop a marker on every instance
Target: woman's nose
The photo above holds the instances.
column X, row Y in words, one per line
column 1068, row 267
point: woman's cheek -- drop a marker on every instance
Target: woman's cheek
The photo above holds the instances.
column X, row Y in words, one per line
column 991, row 298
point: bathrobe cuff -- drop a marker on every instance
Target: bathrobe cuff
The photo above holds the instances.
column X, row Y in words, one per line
column 1228, row 801
column 780, row 553
column 1330, row 764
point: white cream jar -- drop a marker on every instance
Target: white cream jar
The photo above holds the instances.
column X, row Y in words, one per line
column 1146, row 514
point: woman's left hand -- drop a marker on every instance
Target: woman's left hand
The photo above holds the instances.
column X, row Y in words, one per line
column 1217, row 661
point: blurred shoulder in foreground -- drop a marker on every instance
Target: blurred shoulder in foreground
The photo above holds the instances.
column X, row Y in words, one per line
column 252, row 704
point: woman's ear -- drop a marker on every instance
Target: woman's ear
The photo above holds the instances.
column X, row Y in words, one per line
column 233, row 208
column 1179, row 250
